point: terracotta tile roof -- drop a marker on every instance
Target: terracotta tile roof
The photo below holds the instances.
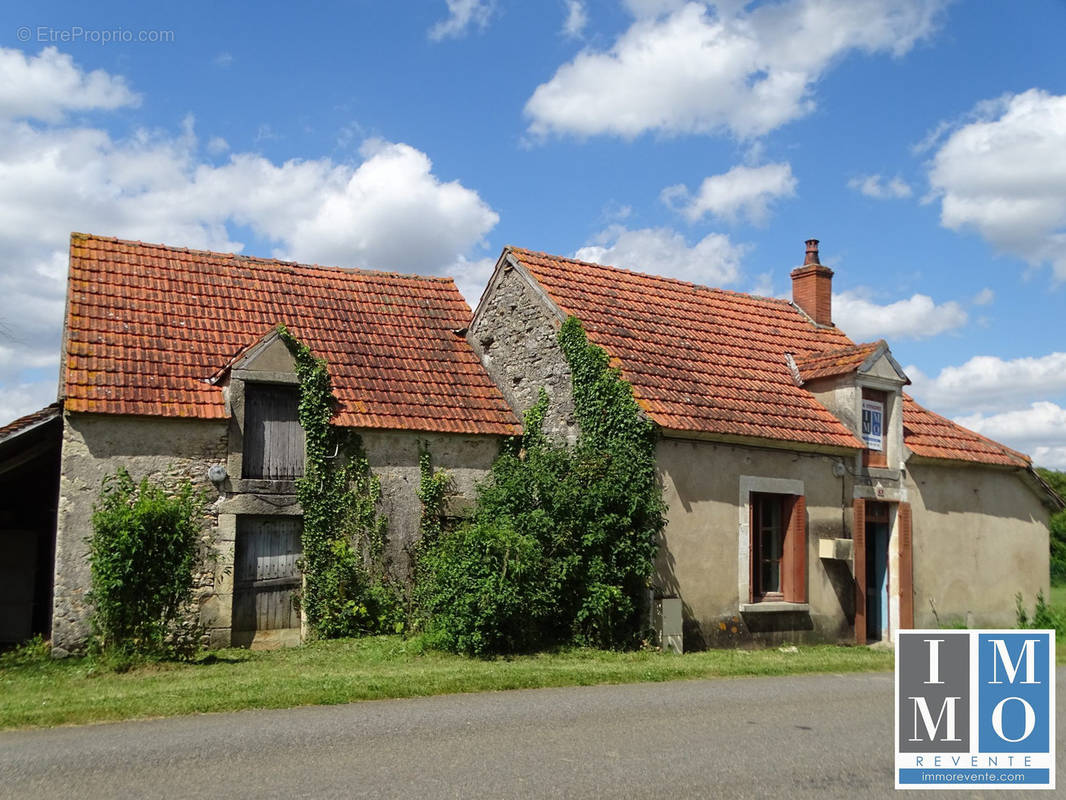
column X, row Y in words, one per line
column 713, row 361
column 699, row 359
column 930, row 435
column 147, row 325
column 22, row 424
column 840, row 361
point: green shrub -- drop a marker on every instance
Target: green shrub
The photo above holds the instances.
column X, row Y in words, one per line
column 486, row 591
column 1044, row 617
column 562, row 541
column 142, row 553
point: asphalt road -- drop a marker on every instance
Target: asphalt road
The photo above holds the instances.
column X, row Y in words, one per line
column 807, row 736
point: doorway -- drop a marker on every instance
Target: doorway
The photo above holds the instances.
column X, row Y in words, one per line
column 267, row 581
column 877, row 541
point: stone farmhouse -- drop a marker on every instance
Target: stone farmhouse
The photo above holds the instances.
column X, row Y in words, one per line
column 810, row 498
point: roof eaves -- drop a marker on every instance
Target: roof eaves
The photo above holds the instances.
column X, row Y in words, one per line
column 45, row 415
column 755, row 441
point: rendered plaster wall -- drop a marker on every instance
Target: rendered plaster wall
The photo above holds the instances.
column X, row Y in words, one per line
column 980, row 537
column 394, row 456
column 514, row 335
column 704, row 548
column 95, row 446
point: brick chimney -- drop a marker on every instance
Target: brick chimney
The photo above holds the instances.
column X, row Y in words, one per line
column 812, row 286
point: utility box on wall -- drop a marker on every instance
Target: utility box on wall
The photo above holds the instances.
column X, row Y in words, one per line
column 668, row 624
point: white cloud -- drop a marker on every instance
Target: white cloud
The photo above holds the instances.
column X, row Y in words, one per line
column 984, row 297
column 743, row 192
column 471, row 277
column 880, row 188
column 724, row 68
column 463, row 15
column 1039, row 430
column 712, row 261
column 1004, row 175
column 917, row 317
column 576, row 19
column 217, row 145
column 48, row 85
column 991, row 384
column 387, row 211
column 652, row 8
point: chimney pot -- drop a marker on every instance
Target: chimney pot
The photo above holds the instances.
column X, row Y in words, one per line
column 812, row 252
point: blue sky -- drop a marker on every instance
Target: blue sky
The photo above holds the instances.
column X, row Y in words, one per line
column 923, row 142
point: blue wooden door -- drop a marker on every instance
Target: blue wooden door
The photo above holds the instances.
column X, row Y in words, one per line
column 876, row 580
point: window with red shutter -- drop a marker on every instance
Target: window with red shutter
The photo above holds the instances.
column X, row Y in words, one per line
column 778, row 547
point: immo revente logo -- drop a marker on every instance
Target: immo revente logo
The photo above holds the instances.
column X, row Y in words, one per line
column 975, row 709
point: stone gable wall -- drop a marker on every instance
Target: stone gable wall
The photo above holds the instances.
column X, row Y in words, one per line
column 514, row 335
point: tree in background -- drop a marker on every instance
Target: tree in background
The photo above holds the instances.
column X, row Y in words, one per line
column 1057, row 526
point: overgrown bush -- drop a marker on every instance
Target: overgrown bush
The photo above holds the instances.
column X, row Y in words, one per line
column 488, row 592
column 562, row 541
column 142, row 554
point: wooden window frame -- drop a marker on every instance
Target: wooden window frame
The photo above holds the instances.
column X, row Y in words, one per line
column 877, row 458
column 250, row 390
column 792, row 568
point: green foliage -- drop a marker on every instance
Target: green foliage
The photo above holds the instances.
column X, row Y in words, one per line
column 1057, row 526
column 36, row 650
column 1044, row 616
column 142, row 552
column 433, row 488
column 347, row 591
column 488, row 592
column 562, row 541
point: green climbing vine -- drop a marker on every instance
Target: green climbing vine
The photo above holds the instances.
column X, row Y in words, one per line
column 562, row 540
column 433, row 488
column 347, row 590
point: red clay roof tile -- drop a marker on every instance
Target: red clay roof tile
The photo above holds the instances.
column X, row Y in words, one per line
column 31, row 420
column 835, row 362
column 699, row 359
column 148, row 325
column 930, row 435
column 712, row 361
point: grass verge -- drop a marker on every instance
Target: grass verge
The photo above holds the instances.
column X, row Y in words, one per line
column 37, row 692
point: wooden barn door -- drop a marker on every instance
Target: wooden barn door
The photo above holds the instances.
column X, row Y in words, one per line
column 266, row 579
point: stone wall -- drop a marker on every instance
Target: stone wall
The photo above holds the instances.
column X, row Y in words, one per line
column 514, row 334
column 170, row 450
column 95, row 446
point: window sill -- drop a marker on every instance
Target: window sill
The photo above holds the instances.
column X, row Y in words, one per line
column 774, row 607
column 263, row 486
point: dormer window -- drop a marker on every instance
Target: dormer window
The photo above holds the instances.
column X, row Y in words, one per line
column 273, row 437
column 874, row 416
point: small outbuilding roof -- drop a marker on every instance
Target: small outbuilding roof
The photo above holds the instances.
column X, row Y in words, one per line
column 147, row 327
